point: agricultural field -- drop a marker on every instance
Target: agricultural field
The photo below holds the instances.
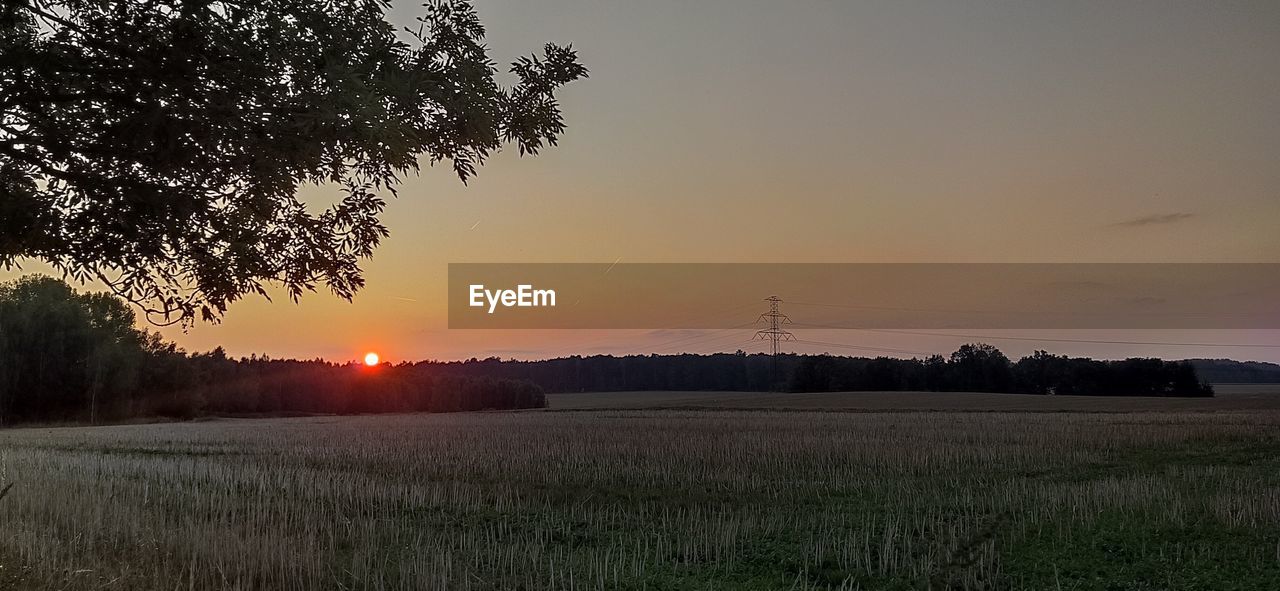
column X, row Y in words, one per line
column 650, row 499
column 1236, row 397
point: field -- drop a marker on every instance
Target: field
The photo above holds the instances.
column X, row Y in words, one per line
column 650, row 499
column 1233, row 397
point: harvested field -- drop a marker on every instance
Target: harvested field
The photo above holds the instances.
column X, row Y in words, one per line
column 1230, row 397
column 649, row 500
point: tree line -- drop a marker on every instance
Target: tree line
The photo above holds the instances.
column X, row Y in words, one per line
column 972, row 368
column 67, row 356
column 1230, row 371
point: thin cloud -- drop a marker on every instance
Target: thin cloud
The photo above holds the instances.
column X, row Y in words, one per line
column 1154, row 220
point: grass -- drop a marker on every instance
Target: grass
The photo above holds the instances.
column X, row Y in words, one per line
column 1236, row 397
column 650, row 499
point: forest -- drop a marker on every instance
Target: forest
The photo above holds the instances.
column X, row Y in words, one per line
column 1230, row 371
column 68, row 356
column 973, row 367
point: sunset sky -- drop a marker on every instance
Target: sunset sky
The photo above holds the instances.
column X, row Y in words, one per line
column 831, row 131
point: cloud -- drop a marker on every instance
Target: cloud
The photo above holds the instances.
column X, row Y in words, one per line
column 1157, row 219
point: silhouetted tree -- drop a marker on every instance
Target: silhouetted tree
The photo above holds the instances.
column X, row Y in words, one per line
column 1228, row 371
column 71, row 356
column 1041, row 373
column 814, row 373
column 981, row 367
column 974, row 367
column 62, row 354
column 159, row 146
column 935, row 373
column 66, row 356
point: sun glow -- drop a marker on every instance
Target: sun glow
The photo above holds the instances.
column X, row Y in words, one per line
column 371, row 359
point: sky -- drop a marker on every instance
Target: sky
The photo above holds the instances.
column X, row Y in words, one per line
column 831, row 131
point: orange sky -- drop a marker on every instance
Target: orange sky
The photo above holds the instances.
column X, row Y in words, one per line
column 817, row 131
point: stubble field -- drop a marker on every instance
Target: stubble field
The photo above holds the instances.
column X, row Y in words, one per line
column 1230, row 397
column 649, row 499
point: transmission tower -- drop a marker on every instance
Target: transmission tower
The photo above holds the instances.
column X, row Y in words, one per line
column 774, row 333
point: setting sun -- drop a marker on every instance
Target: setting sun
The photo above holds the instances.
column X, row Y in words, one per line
column 371, row 358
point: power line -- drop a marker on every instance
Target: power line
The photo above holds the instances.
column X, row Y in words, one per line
column 737, row 346
column 895, row 309
column 867, row 348
column 1006, row 312
column 774, row 333
column 1039, row 339
column 702, row 333
column 716, row 335
column 613, row 339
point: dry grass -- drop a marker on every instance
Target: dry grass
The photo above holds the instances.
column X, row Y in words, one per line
column 649, row 500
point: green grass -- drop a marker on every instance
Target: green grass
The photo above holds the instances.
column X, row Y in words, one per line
column 650, row 500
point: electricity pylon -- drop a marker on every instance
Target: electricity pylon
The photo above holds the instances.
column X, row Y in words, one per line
column 774, row 333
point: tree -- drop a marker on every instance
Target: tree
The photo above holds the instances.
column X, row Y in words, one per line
column 935, row 375
column 1040, row 373
column 64, row 354
column 159, row 146
column 113, row 353
column 72, row 356
column 979, row 367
